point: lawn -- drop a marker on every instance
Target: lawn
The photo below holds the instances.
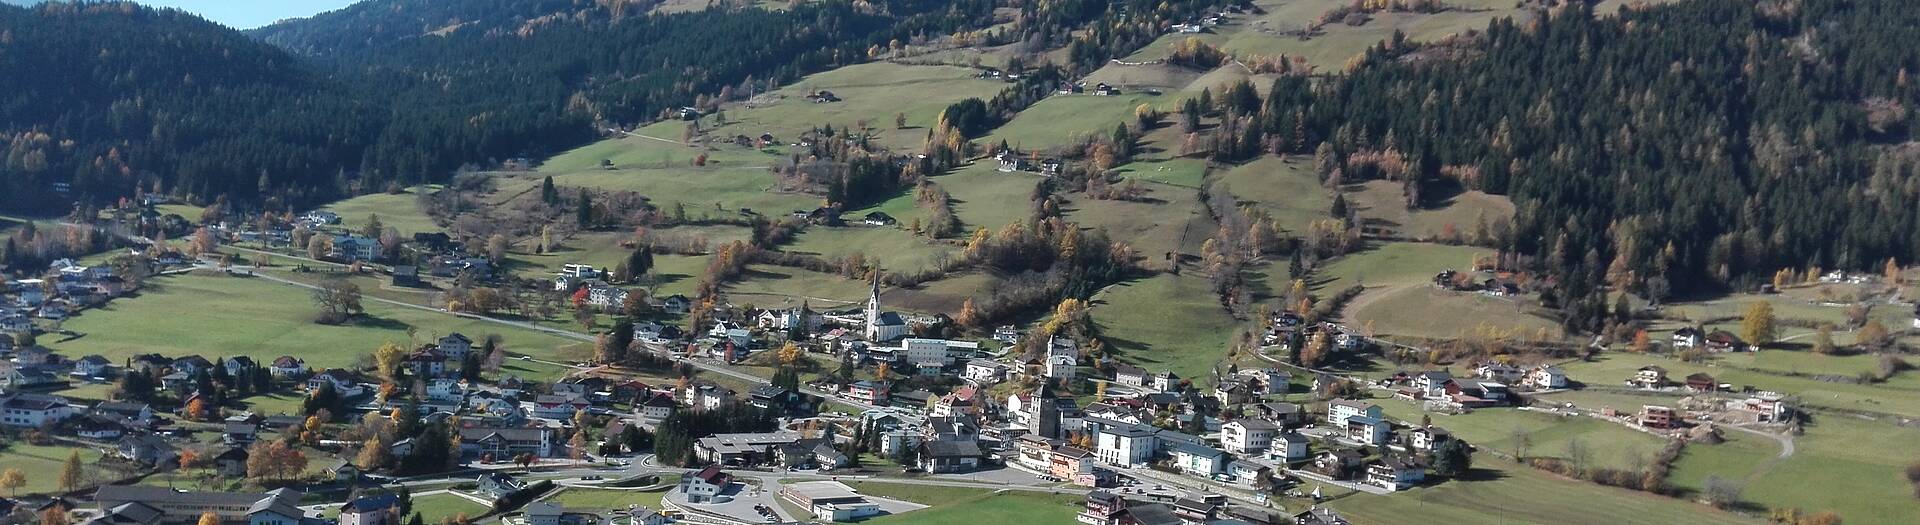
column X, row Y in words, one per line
column 922, row 494
column 434, row 508
column 42, row 465
column 1511, row 494
column 873, row 92
column 1386, row 264
column 707, row 192
column 579, row 498
column 1063, row 120
column 943, row 296
column 401, row 211
column 1164, row 322
column 1284, row 188
column 1382, row 204
column 1846, row 465
column 216, row 316
column 894, row 248
column 1010, row 507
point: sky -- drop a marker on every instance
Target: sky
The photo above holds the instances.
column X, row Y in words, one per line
column 242, row 14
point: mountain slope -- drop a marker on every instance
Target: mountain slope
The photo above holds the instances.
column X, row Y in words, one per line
column 106, row 96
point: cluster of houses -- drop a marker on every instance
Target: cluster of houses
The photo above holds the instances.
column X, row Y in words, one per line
column 1102, row 89
column 1493, row 283
column 1010, row 161
column 1107, row 508
column 62, row 291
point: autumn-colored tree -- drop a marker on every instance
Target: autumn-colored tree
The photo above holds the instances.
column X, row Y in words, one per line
column 1874, row 335
column 1783, row 278
column 1823, row 340
column 1758, row 325
column 1641, row 342
column 70, row 474
column 883, row 372
column 373, row 454
column 388, row 358
column 970, row 316
column 54, row 515
column 12, row 480
column 190, row 459
column 196, row 409
column 1892, row 271
column 789, row 353
column 1316, row 350
column 209, row 518
column 577, row 447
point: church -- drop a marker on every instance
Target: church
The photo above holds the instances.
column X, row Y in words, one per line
column 882, row 326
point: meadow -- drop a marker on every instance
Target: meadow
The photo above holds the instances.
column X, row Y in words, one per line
column 1006, row 507
column 401, row 211
column 1064, row 120
column 1284, row 188
column 1174, row 221
column 434, row 508
column 217, row 315
column 1164, row 322
column 1507, row 493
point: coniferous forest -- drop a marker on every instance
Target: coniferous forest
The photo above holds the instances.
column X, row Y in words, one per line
column 1694, row 146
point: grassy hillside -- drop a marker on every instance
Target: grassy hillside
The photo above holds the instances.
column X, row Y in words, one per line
column 1165, row 322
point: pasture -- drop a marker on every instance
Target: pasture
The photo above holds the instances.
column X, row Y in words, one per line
column 1164, row 322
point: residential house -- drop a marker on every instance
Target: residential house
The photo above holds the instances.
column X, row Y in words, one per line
column 232, row 462
column 1395, row 472
column 1724, row 341
column 239, row 366
column 1166, row 382
column 1688, row 337
column 1341, row 409
column 1700, row 382
column 92, row 366
column 1284, row 414
column 1428, row 438
column 1198, row 460
column 34, row 410
column 869, row 392
column 1127, row 445
column 498, row 485
column 1130, row 375
column 559, row 406
column 1369, row 430
column 1337, row 463
column 383, row 509
column 1547, row 378
column 704, row 485
column 1248, row 436
column 676, row 304
column 984, row 371
column 950, row 456
column 540, row 513
column 1649, row 377
column 1247, row 472
column 350, row 248
column 657, row 407
column 239, row 434
column 1498, row 371
column 426, row 362
column 1288, row 446
column 288, row 366
column 147, row 449
column 780, row 400
column 99, row 427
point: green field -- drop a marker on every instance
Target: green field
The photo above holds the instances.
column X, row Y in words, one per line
column 767, row 286
column 1405, row 311
column 983, row 197
column 1511, row 494
column 1164, row 322
column 1614, row 367
column 216, row 316
column 42, row 465
column 894, row 248
column 943, row 296
column 873, row 92
column 1608, row 444
column 1388, row 264
column 1269, row 34
column 401, row 211
column 1182, row 172
column 1174, row 222
column 1284, row 188
column 922, row 494
column 1063, row 120
column 1010, row 507
column 435, row 507
column 1855, row 466
column 579, row 498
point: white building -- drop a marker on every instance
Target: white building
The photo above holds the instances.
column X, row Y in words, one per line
column 1127, row 445
column 1247, row 436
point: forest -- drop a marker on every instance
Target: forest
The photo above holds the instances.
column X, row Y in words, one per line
column 1696, row 146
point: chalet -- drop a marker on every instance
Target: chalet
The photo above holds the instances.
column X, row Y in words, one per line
column 99, row 427
column 231, row 462
column 1192, row 509
column 1338, row 463
column 950, row 456
column 1106, row 90
column 984, row 371
column 1006, row 334
column 288, row 366
column 878, row 219
column 240, row 434
column 1546, row 378
column 16, row 323
column 1724, row 341
column 383, row 509
column 1166, row 382
column 1700, row 382
column 351, row 248
column 455, row 346
column 1768, row 407
column 1283, row 414
column 137, row 415
column 1688, row 337
column 146, row 449
column 780, row 400
column 92, row 366
column 1395, row 473
column 426, row 362
column 239, row 366
column 192, row 365
column 559, row 406
column 1130, row 375
column 657, row 407
column 343, row 382
column 407, row 276
column 1649, row 377
column 1247, row 472
column 498, row 485
column 1426, row 439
